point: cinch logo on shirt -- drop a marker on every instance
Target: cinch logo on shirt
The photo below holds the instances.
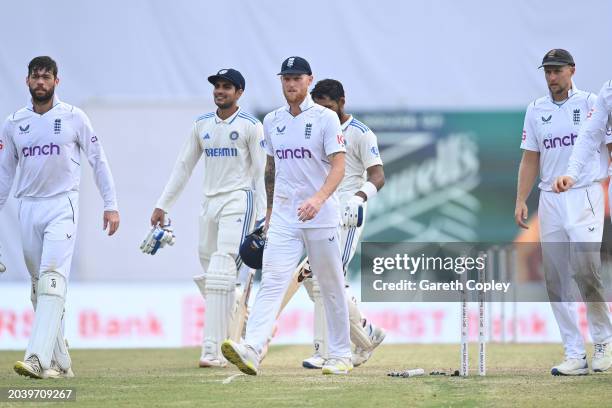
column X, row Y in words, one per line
column 221, row 152
column 297, row 153
column 44, row 150
column 560, row 141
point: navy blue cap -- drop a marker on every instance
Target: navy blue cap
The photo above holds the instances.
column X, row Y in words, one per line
column 230, row 75
column 557, row 57
column 295, row 65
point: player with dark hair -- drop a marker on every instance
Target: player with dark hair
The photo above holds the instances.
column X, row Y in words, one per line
column 44, row 140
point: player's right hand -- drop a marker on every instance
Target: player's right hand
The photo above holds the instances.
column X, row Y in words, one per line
column 520, row 214
column 562, row 184
column 158, row 217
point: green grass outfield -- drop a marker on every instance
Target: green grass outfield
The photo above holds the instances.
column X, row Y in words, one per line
column 518, row 375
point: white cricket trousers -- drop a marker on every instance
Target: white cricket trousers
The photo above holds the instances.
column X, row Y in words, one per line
column 225, row 220
column 284, row 248
column 571, row 228
column 48, row 232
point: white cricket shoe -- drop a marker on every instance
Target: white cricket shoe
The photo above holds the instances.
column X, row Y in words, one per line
column 337, row 366
column 55, row 371
column 602, row 357
column 361, row 355
column 209, row 357
column 30, row 368
column 242, row 356
column 571, row 366
column 314, row 361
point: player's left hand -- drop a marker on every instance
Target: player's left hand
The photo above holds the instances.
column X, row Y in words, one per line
column 563, row 183
column 111, row 221
column 309, row 208
column 352, row 213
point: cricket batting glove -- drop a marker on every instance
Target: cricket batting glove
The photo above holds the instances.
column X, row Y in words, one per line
column 352, row 213
column 158, row 237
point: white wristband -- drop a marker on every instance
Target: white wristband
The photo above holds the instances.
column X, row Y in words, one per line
column 368, row 189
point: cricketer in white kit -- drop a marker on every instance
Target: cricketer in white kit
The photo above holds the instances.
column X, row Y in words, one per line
column 230, row 143
column 571, row 224
column 305, row 165
column 363, row 178
column 44, row 140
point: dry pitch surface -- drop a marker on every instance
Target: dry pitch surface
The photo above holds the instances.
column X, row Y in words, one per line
column 518, row 375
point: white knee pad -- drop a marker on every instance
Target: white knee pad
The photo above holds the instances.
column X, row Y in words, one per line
column 48, row 316
column 52, row 283
column 221, row 274
column 359, row 335
column 220, row 290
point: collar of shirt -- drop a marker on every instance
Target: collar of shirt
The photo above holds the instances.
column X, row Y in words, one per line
column 347, row 123
column 56, row 100
column 228, row 120
column 306, row 104
column 571, row 92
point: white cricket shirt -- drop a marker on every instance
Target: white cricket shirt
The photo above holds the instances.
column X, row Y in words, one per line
column 361, row 153
column 552, row 131
column 595, row 130
column 47, row 148
column 300, row 146
column 232, row 154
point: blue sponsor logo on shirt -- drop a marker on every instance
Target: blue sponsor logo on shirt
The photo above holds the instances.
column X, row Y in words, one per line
column 221, row 152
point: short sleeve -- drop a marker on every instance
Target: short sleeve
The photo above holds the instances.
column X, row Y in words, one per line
column 529, row 139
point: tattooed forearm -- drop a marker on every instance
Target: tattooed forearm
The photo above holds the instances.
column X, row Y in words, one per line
column 269, row 180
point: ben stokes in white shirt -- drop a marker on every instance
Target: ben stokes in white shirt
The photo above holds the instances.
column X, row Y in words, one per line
column 44, row 140
column 305, row 165
column 571, row 220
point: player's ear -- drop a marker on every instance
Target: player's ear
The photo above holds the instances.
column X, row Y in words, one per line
column 341, row 102
column 57, row 81
column 573, row 69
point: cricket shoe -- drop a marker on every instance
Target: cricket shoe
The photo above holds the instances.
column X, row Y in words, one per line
column 209, row 357
column 314, row 361
column 571, row 366
column 30, row 368
column 55, row 371
column 361, row 355
column 337, row 366
column 242, row 356
column 602, row 357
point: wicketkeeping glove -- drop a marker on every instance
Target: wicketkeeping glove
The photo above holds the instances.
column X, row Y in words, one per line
column 352, row 213
column 158, row 237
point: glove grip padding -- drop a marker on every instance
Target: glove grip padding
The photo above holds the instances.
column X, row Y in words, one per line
column 158, row 237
